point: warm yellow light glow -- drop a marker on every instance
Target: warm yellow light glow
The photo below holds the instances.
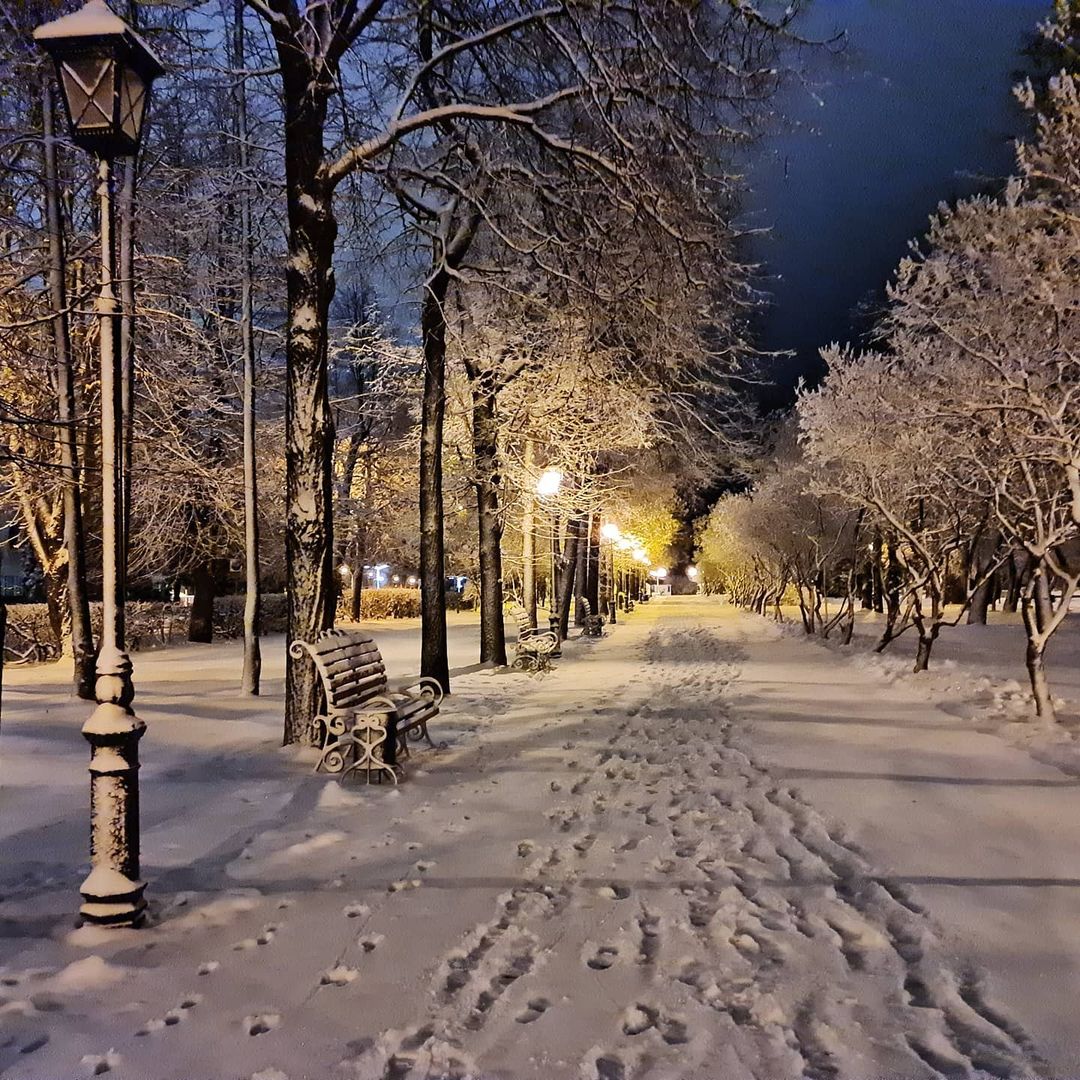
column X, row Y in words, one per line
column 659, row 572
column 611, row 531
column 549, row 483
column 691, row 572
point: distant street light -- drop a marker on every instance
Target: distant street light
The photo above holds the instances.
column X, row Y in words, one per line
column 692, row 573
column 105, row 71
column 548, row 485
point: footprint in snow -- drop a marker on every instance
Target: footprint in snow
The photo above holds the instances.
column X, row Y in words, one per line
column 357, row 911
column 338, row 976
column 639, row 1018
column 603, row 958
column 96, row 1064
column 614, row 891
column 533, row 1011
column 261, row 1023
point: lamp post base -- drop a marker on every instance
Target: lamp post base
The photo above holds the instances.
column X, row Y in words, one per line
column 113, row 892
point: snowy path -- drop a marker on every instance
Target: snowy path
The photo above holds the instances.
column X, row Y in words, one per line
column 620, row 871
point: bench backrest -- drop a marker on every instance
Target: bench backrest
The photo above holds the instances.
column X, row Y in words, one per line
column 521, row 617
column 586, row 607
column 351, row 668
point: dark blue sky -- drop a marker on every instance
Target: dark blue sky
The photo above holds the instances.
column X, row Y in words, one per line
column 917, row 108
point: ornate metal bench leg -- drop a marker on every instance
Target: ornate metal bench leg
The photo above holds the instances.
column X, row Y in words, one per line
column 334, row 755
column 370, row 736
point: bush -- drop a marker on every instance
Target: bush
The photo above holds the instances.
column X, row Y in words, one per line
column 388, row 603
column 150, row 624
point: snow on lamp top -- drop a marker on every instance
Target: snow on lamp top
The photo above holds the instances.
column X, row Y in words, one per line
column 105, row 71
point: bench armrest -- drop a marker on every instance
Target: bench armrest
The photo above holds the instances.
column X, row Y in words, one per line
column 427, row 687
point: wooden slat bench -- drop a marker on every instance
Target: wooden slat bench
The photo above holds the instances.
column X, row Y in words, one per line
column 534, row 647
column 366, row 724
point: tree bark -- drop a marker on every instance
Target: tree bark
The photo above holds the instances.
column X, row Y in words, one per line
column 309, row 425
column 922, row 655
column 486, row 466
column 1036, row 609
column 252, row 671
column 574, row 528
column 1016, row 570
column 434, row 663
column 877, row 584
column 592, row 576
column 82, row 635
column 201, row 619
column 580, row 571
column 528, row 539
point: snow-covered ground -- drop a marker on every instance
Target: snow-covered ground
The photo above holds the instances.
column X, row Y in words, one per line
column 700, row 848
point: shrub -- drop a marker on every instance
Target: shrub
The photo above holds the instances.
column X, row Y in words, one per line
column 149, row 624
column 389, row 603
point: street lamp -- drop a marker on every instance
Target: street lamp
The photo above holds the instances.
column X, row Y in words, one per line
column 548, row 485
column 105, row 71
column 613, row 535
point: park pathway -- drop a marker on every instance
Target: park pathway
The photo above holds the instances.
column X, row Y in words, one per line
column 641, row 866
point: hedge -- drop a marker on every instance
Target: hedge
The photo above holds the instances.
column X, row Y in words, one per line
column 150, row 624
column 388, row 603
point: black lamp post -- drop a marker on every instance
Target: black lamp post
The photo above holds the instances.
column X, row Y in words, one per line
column 105, row 71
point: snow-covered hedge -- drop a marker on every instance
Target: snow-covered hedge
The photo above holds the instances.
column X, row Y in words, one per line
column 388, row 603
column 151, row 624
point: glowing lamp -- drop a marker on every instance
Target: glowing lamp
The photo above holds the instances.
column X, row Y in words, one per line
column 549, row 483
column 105, row 71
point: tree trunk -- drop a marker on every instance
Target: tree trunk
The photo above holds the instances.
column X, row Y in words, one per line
column 486, row 465
column 434, row 663
column 82, row 634
column 592, row 578
column 528, row 539
column 877, row 584
column 568, row 576
column 309, row 425
column 1016, row 570
column 1035, row 605
column 359, row 554
column 580, row 569
column 1040, row 687
column 922, row 656
column 201, row 619
column 252, row 671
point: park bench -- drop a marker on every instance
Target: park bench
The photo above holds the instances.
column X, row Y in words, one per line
column 534, row 647
column 592, row 624
column 366, row 723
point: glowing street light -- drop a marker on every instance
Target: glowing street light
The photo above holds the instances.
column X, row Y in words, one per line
column 105, row 71
column 549, row 483
column 692, row 573
column 611, row 532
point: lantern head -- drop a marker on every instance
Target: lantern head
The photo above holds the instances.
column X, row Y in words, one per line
column 105, row 71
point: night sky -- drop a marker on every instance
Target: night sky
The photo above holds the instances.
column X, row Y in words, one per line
column 917, row 108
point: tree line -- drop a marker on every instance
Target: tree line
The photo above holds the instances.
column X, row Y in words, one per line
column 382, row 263
column 937, row 471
